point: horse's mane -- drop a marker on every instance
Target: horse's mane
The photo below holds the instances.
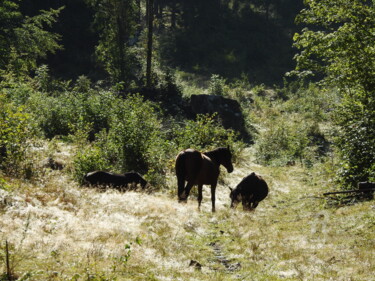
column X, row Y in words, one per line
column 216, row 150
column 216, row 154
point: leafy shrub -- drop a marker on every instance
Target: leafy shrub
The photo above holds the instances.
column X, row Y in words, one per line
column 356, row 140
column 289, row 125
column 285, row 140
column 339, row 50
column 205, row 133
column 15, row 135
column 135, row 130
column 61, row 114
column 217, row 85
column 281, row 143
column 51, row 114
column 88, row 159
column 134, row 141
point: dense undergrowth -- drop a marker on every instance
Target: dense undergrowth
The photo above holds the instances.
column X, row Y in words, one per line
column 113, row 130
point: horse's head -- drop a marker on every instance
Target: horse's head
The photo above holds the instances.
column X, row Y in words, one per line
column 226, row 159
column 235, row 198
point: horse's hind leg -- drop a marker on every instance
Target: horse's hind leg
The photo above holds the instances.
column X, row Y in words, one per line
column 200, row 196
column 181, row 185
column 186, row 192
column 213, row 196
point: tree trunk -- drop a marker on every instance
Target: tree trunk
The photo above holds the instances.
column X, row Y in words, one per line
column 173, row 15
column 150, row 19
column 121, row 46
column 139, row 11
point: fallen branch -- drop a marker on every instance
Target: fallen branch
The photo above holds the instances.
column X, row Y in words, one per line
column 350, row 191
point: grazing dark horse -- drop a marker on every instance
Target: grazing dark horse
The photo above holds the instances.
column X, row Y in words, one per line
column 115, row 180
column 201, row 168
column 251, row 190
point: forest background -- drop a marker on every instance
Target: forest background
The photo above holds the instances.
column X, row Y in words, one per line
column 54, row 53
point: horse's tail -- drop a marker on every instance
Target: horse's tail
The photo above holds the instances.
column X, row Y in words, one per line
column 180, row 173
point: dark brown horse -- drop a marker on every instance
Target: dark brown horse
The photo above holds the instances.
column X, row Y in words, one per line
column 201, row 168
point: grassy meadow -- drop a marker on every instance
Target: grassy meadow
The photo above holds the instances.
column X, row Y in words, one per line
column 58, row 230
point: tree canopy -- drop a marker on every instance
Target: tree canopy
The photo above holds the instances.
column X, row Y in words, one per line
column 107, row 38
column 338, row 44
column 24, row 39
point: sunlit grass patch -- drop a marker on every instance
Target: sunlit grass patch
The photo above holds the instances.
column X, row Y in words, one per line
column 61, row 231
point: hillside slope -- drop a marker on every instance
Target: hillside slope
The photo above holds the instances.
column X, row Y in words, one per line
column 61, row 231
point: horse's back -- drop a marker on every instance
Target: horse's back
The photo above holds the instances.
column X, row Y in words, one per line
column 188, row 164
column 209, row 172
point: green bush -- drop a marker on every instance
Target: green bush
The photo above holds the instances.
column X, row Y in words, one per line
column 356, row 139
column 339, row 50
column 285, row 140
column 88, row 159
column 51, row 114
column 206, row 133
column 134, row 142
column 290, row 124
column 63, row 113
column 217, row 85
column 15, row 136
column 136, row 131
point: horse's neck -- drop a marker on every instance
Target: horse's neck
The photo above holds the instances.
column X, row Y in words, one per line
column 214, row 156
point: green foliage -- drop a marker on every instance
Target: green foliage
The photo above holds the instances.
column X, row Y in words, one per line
column 134, row 142
column 341, row 47
column 89, row 158
column 3, row 184
column 9, row 19
column 24, row 40
column 204, row 133
column 116, row 22
column 67, row 111
column 136, row 132
column 285, row 141
column 217, row 85
column 51, row 114
column 15, row 136
column 356, row 141
column 15, row 89
column 281, row 136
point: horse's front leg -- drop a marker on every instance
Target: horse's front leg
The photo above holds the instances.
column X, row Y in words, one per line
column 213, row 196
column 200, row 196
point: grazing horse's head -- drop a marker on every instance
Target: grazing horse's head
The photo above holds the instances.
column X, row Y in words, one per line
column 235, row 197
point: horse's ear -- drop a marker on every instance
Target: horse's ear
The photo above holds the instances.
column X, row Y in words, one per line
column 231, row 189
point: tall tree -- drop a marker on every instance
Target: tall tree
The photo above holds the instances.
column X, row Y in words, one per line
column 150, row 21
column 340, row 46
column 24, row 40
column 116, row 21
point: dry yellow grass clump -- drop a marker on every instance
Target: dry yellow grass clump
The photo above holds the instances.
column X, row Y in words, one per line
column 58, row 230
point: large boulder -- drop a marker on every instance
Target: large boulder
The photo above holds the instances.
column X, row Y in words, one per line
column 228, row 110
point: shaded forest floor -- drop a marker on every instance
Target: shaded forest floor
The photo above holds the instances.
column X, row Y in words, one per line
column 58, row 230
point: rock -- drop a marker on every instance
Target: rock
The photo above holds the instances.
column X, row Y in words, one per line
column 54, row 164
column 228, row 110
column 195, row 264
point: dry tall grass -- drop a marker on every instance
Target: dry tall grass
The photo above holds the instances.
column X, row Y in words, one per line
column 61, row 231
